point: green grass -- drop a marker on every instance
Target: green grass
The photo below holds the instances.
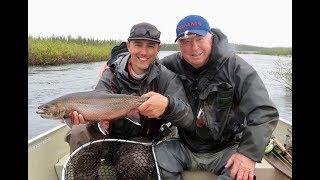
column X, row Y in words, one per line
column 276, row 51
column 61, row 50
column 169, row 47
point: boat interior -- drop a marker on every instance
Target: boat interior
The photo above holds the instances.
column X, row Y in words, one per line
column 48, row 152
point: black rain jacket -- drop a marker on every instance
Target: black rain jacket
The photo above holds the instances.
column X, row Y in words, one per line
column 116, row 79
column 235, row 103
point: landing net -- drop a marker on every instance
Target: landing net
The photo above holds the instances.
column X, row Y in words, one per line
column 112, row 159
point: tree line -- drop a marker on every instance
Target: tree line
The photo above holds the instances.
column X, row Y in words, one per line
column 56, row 50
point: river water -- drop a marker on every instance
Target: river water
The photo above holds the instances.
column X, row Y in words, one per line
column 47, row 83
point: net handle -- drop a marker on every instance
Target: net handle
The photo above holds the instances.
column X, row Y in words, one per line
column 156, row 162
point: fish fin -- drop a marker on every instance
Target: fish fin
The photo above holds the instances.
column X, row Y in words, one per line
column 68, row 122
column 134, row 117
column 104, row 131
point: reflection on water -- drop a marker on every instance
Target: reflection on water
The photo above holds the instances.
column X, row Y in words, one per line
column 47, row 83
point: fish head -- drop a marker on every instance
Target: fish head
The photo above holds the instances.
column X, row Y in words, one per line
column 52, row 110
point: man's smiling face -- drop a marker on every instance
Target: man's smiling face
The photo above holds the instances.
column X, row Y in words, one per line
column 196, row 49
column 143, row 53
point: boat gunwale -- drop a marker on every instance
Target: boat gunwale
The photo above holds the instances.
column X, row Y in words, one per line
column 285, row 121
column 46, row 133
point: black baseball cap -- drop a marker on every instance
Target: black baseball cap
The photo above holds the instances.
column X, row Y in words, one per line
column 145, row 31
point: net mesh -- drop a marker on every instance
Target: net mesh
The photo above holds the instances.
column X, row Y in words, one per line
column 111, row 159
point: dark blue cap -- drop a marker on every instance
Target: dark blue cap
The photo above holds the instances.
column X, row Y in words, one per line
column 192, row 24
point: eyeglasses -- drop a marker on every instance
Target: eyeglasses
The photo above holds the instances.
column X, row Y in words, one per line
column 142, row 32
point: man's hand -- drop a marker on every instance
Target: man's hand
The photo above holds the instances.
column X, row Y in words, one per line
column 241, row 167
column 76, row 118
column 154, row 106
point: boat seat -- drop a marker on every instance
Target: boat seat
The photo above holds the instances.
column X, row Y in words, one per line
column 264, row 171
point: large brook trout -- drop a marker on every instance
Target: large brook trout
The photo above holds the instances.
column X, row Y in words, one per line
column 96, row 105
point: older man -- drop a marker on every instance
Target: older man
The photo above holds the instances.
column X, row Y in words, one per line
column 233, row 113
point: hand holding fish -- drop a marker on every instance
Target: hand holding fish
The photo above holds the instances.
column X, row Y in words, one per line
column 77, row 119
column 154, row 106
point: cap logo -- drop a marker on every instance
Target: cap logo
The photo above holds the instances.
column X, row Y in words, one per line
column 194, row 24
column 186, row 34
column 189, row 24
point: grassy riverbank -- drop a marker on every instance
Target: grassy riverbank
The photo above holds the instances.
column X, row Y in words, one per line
column 62, row 50
column 276, row 51
column 244, row 49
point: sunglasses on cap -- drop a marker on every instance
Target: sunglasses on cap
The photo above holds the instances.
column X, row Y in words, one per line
column 143, row 32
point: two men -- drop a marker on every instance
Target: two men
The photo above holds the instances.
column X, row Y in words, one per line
column 233, row 113
column 232, row 116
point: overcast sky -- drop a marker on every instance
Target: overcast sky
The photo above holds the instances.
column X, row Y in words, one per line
column 253, row 22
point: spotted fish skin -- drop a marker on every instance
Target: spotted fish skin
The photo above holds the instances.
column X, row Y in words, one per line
column 94, row 105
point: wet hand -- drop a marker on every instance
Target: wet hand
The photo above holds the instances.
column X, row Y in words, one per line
column 241, row 167
column 154, row 106
column 77, row 118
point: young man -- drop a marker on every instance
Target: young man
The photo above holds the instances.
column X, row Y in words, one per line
column 133, row 69
column 233, row 113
